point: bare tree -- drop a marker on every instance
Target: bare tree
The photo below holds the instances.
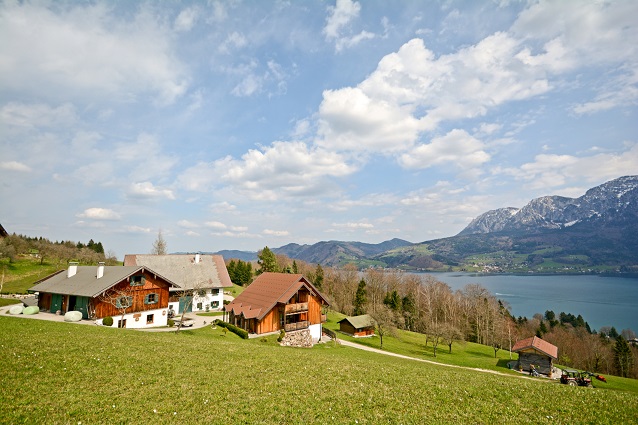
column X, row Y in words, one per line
column 384, row 322
column 122, row 299
column 159, row 246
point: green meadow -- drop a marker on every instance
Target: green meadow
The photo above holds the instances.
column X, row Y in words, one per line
column 60, row 373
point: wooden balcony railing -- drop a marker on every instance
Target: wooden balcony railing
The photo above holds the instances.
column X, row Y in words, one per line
column 288, row 327
column 296, row 308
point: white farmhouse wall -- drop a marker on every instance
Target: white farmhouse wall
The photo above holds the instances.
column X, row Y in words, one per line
column 160, row 318
column 214, row 301
column 315, row 332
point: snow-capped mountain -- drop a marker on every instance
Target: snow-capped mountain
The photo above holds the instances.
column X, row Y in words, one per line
column 614, row 201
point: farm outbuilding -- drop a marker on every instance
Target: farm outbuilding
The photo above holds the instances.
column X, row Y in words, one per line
column 357, row 326
column 538, row 352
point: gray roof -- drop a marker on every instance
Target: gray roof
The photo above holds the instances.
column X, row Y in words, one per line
column 85, row 282
column 359, row 322
column 210, row 272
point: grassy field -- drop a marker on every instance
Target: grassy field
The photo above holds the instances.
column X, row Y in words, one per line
column 22, row 273
column 78, row 374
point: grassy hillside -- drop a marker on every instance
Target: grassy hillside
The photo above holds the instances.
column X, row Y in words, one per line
column 20, row 274
column 69, row 373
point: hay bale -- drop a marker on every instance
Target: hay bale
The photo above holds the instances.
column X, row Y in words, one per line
column 31, row 310
column 73, row 316
column 16, row 309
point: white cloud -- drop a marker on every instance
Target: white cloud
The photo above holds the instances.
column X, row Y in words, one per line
column 548, row 171
column 353, row 225
column 215, row 225
column 186, row 19
column 87, row 52
column 234, row 40
column 14, row 166
column 281, row 170
column 37, row 115
column 187, row 224
column 99, row 214
column 136, row 229
column 145, row 151
column 337, row 25
column 148, row 191
column 456, row 147
column 270, row 232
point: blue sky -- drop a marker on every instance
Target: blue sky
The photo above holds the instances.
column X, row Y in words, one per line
column 241, row 124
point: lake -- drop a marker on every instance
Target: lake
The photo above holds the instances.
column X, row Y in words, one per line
column 602, row 301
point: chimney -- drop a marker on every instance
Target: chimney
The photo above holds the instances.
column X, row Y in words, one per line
column 197, row 258
column 73, row 269
column 100, row 269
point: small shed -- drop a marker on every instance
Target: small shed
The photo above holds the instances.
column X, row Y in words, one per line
column 538, row 352
column 357, row 325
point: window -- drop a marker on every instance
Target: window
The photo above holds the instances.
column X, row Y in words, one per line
column 151, row 298
column 137, row 280
column 124, row 302
column 149, row 318
column 199, row 306
column 214, row 304
column 214, row 291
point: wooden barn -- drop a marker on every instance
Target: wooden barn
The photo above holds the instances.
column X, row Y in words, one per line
column 357, row 325
column 276, row 301
column 135, row 297
column 538, row 352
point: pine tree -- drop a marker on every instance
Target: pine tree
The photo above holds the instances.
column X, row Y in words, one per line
column 360, row 299
column 267, row 261
column 318, row 277
column 623, row 357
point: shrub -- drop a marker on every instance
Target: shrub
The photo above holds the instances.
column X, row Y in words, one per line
column 282, row 335
column 170, row 323
column 107, row 321
column 234, row 329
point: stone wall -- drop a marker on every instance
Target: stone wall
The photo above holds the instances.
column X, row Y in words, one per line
column 301, row 338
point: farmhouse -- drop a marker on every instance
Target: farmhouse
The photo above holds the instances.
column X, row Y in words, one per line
column 200, row 279
column 135, row 296
column 276, row 301
column 357, row 326
column 535, row 351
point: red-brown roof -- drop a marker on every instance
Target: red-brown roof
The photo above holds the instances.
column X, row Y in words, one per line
column 538, row 344
column 266, row 291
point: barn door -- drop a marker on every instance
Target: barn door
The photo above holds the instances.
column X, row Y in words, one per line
column 56, row 302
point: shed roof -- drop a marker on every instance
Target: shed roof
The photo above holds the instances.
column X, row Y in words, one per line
column 359, row 322
column 85, row 282
column 209, row 272
column 537, row 344
column 266, row 291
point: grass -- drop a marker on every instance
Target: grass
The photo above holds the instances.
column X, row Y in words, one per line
column 69, row 373
column 21, row 274
column 234, row 290
column 8, row 301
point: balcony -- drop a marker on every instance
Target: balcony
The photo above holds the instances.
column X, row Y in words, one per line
column 289, row 327
column 296, row 308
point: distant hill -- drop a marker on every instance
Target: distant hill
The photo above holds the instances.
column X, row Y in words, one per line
column 597, row 232
column 230, row 254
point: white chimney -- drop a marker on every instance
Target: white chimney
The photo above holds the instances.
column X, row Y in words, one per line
column 73, row 269
column 100, row 269
column 197, row 258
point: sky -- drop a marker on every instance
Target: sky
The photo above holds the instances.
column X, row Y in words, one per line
column 243, row 124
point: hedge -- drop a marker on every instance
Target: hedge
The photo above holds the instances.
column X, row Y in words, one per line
column 234, row 329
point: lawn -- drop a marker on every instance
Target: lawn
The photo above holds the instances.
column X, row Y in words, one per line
column 21, row 274
column 70, row 373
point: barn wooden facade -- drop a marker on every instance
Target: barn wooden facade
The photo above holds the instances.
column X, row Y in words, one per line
column 357, row 326
column 134, row 296
column 276, row 301
column 538, row 352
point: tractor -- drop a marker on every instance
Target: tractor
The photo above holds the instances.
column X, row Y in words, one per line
column 578, row 378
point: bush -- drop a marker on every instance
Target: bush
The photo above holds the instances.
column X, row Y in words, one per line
column 107, row 321
column 170, row 323
column 282, row 335
column 234, row 329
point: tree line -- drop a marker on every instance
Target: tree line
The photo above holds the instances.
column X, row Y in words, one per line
column 399, row 300
column 54, row 252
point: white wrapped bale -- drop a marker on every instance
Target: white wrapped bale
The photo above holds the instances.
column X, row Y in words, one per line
column 73, row 316
column 16, row 309
column 34, row 309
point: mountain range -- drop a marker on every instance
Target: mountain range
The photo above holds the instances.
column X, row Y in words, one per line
column 597, row 232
